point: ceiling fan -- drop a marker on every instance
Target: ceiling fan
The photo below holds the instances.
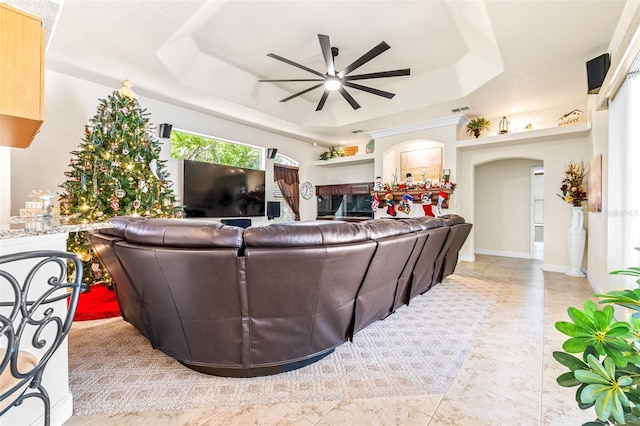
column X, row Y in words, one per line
column 337, row 80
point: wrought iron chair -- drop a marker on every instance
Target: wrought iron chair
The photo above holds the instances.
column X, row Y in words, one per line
column 37, row 306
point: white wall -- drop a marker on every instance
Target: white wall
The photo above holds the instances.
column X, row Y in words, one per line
column 71, row 102
column 324, row 175
column 597, row 237
column 502, row 207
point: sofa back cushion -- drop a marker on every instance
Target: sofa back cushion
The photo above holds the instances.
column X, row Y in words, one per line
column 305, row 234
column 301, row 282
column 191, row 296
column 188, row 233
column 424, row 271
column 395, row 242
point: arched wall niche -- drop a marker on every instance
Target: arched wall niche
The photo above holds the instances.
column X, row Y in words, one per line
column 391, row 164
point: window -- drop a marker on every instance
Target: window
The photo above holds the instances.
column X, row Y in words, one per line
column 286, row 214
column 191, row 146
column 287, row 161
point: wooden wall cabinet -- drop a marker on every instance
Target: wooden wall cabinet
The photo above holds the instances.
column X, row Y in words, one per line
column 22, row 44
column 345, row 189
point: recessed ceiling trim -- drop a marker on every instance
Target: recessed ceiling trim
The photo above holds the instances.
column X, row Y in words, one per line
column 452, row 120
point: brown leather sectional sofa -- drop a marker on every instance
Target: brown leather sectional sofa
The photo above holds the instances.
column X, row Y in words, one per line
column 246, row 302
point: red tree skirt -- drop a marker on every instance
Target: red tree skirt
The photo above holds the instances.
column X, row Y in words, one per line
column 98, row 303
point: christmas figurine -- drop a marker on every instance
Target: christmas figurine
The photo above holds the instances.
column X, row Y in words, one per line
column 126, row 90
column 391, row 211
column 377, row 186
column 442, row 196
column 426, row 204
column 408, row 181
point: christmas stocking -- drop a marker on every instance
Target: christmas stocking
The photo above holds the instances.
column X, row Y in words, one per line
column 375, row 204
column 406, row 203
column 426, row 204
column 391, row 211
column 441, row 197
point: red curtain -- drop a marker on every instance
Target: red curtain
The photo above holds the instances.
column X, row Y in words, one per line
column 289, row 183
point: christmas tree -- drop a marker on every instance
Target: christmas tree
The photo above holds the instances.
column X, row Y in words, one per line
column 116, row 171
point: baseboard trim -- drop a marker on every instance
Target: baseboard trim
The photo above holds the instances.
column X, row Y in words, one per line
column 555, row 268
column 471, row 258
column 517, row 254
column 594, row 284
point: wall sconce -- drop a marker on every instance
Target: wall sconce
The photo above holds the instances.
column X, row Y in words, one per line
column 271, row 153
column 503, row 126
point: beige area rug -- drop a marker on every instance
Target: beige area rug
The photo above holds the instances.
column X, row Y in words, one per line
column 416, row 351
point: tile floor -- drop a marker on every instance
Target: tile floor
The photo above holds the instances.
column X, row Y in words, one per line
column 508, row 377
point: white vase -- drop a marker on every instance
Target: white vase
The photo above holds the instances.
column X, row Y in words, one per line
column 576, row 237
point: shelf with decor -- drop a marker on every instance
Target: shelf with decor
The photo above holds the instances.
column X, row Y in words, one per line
column 415, row 193
column 346, row 161
column 530, row 136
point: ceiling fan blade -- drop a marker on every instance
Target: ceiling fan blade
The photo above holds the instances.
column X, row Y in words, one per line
column 381, row 47
column 378, row 92
column 325, row 45
column 323, row 99
column 301, row 93
column 381, row 74
column 349, row 98
column 295, row 64
column 291, row 79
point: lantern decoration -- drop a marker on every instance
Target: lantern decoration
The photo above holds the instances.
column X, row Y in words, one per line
column 503, row 126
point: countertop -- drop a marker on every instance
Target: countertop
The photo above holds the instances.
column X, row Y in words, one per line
column 33, row 226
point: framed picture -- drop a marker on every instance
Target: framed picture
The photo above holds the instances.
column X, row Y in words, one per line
column 423, row 164
column 594, row 184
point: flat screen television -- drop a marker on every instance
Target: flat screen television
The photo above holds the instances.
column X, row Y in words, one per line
column 213, row 190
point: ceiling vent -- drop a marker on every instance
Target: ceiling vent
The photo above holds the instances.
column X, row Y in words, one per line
column 464, row 108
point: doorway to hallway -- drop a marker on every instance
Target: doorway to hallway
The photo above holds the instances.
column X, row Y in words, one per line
column 537, row 212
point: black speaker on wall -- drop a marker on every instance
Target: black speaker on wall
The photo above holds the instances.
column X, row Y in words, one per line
column 271, row 153
column 165, row 130
column 273, row 209
column 596, row 71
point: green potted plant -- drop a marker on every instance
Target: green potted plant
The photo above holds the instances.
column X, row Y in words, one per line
column 608, row 375
column 332, row 153
column 477, row 125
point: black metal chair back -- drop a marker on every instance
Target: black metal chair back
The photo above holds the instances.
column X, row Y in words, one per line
column 37, row 306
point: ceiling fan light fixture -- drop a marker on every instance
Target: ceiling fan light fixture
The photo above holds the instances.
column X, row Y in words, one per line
column 332, row 84
column 332, row 80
